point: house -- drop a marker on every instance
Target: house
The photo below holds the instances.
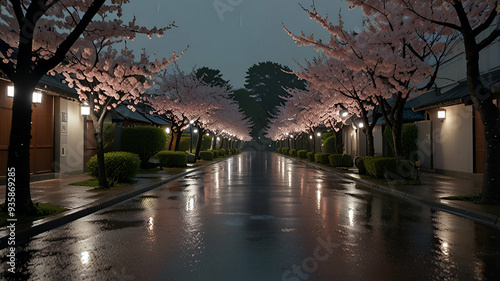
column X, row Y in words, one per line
column 57, row 144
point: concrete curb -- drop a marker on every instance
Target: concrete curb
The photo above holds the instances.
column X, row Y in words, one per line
column 46, row 224
column 480, row 217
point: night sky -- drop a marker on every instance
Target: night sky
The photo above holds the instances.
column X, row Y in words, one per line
column 233, row 39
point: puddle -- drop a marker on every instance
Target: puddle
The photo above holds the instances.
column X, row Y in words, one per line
column 122, row 210
column 117, row 224
column 174, row 197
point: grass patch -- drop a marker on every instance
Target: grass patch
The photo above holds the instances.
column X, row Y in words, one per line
column 470, row 198
column 43, row 210
column 95, row 183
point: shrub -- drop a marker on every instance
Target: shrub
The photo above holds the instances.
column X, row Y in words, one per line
column 279, row 149
column 329, row 145
column 206, row 155
column 321, row 158
column 293, row 152
column 360, row 164
column 170, row 158
column 108, row 136
column 221, row 152
column 310, row 156
column 347, row 160
column 144, row 141
column 377, row 166
column 184, row 144
column 285, row 150
column 302, row 153
column 206, row 142
column 340, row 160
column 120, row 166
column 326, row 135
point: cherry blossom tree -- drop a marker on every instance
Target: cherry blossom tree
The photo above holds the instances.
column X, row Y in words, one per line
column 38, row 35
column 105, row 77
column 341, row 85
column 400, row 55
column 475, row 22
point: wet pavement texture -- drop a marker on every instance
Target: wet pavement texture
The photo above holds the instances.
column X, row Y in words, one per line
column 261, row 216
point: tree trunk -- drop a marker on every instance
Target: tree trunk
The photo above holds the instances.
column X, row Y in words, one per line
column 339, row 143
column 397, row 128
column 482, row 99
column 98, row 122
column 18, row 162
column 198, row 143
column 214, row 142
column 178, row 137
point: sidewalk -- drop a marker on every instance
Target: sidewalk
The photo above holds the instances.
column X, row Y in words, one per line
column 82, row 201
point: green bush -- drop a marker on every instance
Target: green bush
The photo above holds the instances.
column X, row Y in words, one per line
column 144, row 141
column 206, row 155
column 326, row 135
column 360, row 164
column 221, row 152
column 279, row 149
column 170, row 158
column 108, row 136
column 292, row 152
column 347, row 160
column 329, row 145
column 184, row 144
column 310, row 156
column 340, row 160
column 409, row 136
column 120, row 166
column 302, row 153
column 285, row 150
column 377, row 166
column 206, row 142
column 321, row 158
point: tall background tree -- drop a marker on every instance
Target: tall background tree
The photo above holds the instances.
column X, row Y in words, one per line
column 263, row 92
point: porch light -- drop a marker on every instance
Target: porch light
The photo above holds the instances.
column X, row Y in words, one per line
column 85, row 109
column 441, row 114
column 310, row 137
column 167, row 130
column 195, row 131
column 344, row 113
column 10, row 91
column 318, row 134
column 361, row 125
column 37, row 97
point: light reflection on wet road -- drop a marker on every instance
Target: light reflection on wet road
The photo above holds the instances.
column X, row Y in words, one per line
column 260, row 216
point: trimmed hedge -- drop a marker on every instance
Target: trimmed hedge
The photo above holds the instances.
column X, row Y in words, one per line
column 206, row 155
column 310, row 156
column 329, row 145
column 120, row 166
column 389, row 167
column 340, row 160
column 170, row 158
column 321, row 158
column 221, row 152
column 293, row 152
column 285, row 150
column 144, row 141
column 302, row 153
column 279, row 149
column 360, row 164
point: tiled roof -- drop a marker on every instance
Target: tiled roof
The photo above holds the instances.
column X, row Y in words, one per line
column 456, row 95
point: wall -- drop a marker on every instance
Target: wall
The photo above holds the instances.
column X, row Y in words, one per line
column 453, row 139
column 69, row 137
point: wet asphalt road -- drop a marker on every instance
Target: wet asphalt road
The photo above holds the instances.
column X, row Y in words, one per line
column 260, row 216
